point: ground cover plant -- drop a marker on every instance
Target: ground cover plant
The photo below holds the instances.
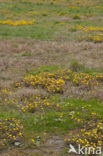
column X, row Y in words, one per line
column 51, row 76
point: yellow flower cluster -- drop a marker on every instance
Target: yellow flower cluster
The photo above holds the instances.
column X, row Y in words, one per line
column 99, row 77
column 49, row 81
column 38, row 104
column 91, row 135
column 6, row 91
column 17, row 23
column 90, row 28
column 96, row 38
column 84, row 80
column 5, row 95
column 56, row 82
column 10, row 131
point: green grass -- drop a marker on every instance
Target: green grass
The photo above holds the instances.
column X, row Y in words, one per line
column 51, row 122
column 47, row 19
column 39, row 70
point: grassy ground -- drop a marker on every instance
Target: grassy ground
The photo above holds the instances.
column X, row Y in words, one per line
column 51, row 76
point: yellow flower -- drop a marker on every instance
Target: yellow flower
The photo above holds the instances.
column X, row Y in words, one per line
column 33, row 141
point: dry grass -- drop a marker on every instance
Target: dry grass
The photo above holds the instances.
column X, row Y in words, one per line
column 20, row 56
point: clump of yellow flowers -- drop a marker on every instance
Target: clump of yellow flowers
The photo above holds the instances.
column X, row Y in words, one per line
column 38, row 104
column 95, row 39
column 90, row 28
column 17, row 23
column 56, row 82
column 11, row 130
column 85, row 80
column 91, row 135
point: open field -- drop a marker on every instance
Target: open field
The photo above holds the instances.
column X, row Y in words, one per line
column 51, row 76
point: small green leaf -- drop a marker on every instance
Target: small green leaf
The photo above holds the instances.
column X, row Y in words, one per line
column 17, row 143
